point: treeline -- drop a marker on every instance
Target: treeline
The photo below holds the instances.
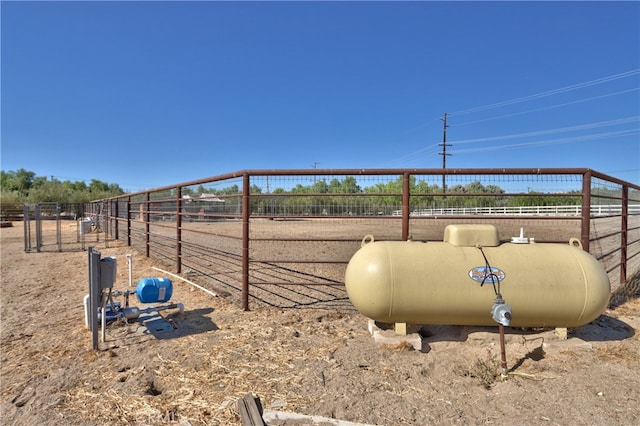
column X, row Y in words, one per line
column 23, row 186
column 346, row 196
column 323, row 196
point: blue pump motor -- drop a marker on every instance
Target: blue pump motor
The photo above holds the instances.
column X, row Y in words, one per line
column 154, row 290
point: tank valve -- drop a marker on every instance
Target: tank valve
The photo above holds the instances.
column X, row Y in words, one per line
column 521, row 239
column 501, row 312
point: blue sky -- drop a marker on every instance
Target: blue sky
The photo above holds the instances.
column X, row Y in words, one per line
column 149, row 94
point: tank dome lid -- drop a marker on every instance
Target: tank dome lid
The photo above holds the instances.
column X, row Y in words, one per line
column 471, row 235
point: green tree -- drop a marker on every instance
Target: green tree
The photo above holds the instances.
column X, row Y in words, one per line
column 19, row 181
column 24, row 186
column 382, row 202
column 49, row 191
column 419, row 199
column 97, row 186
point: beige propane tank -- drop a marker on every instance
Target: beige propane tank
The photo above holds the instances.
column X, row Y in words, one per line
column 455, row 281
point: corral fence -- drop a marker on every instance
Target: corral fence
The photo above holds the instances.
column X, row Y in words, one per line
column 284, row 237
column 54, row 226
column 64, row 236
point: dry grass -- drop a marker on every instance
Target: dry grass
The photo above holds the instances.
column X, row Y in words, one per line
column 319, row 362
column 485, row 369
column 619, row 353
column 399, row 347
column 628, row 294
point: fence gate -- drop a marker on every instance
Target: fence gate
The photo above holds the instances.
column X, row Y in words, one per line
column 61, row 226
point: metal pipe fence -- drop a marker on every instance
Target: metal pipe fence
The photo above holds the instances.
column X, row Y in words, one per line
column 284, row 237
column 64, row 236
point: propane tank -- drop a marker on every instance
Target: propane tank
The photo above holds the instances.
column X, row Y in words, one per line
column 455, row 281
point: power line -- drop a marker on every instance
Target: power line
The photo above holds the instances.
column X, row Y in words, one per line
column 551, row 131
column 417, row 155
column 548, row 93
column 559, row 141
column 548, row 107
column 433, row 149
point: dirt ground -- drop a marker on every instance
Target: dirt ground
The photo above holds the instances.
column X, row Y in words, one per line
column 321, row 363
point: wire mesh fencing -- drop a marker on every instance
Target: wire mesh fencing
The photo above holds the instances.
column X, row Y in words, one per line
column 284, row 237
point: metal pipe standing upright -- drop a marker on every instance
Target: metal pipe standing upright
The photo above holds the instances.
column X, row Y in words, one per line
column 503, row 353
column 130, row 262
column 94, row 294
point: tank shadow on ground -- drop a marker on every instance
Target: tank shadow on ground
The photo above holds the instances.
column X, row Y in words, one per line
column 605, row 329
column 602, row 329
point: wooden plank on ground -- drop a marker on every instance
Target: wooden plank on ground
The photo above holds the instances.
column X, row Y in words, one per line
column 296, row 418
column 250, row 410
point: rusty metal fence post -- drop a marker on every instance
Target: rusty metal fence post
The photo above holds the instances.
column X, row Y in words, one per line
column 586, row 210
column 147, row 225
column 405, row 205
column 116, row 215
column 38, row 217
column 178, row 229
column 245, row 240
column 106, row 221
column 623, row 234
column 128, row 207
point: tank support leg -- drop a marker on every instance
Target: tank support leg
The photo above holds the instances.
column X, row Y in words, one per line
column 401, row 328
column 561, row 332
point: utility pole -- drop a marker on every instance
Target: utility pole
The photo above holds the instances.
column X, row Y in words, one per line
column 444, row 154
column 315, row 166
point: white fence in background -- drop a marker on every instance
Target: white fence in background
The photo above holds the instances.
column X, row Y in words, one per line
column 596, row 210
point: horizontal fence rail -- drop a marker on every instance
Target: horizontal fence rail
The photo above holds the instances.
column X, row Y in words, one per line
column 284, row 237
column 575, row 210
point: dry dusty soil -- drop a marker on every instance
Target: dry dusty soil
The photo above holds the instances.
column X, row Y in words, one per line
column 321, row 363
